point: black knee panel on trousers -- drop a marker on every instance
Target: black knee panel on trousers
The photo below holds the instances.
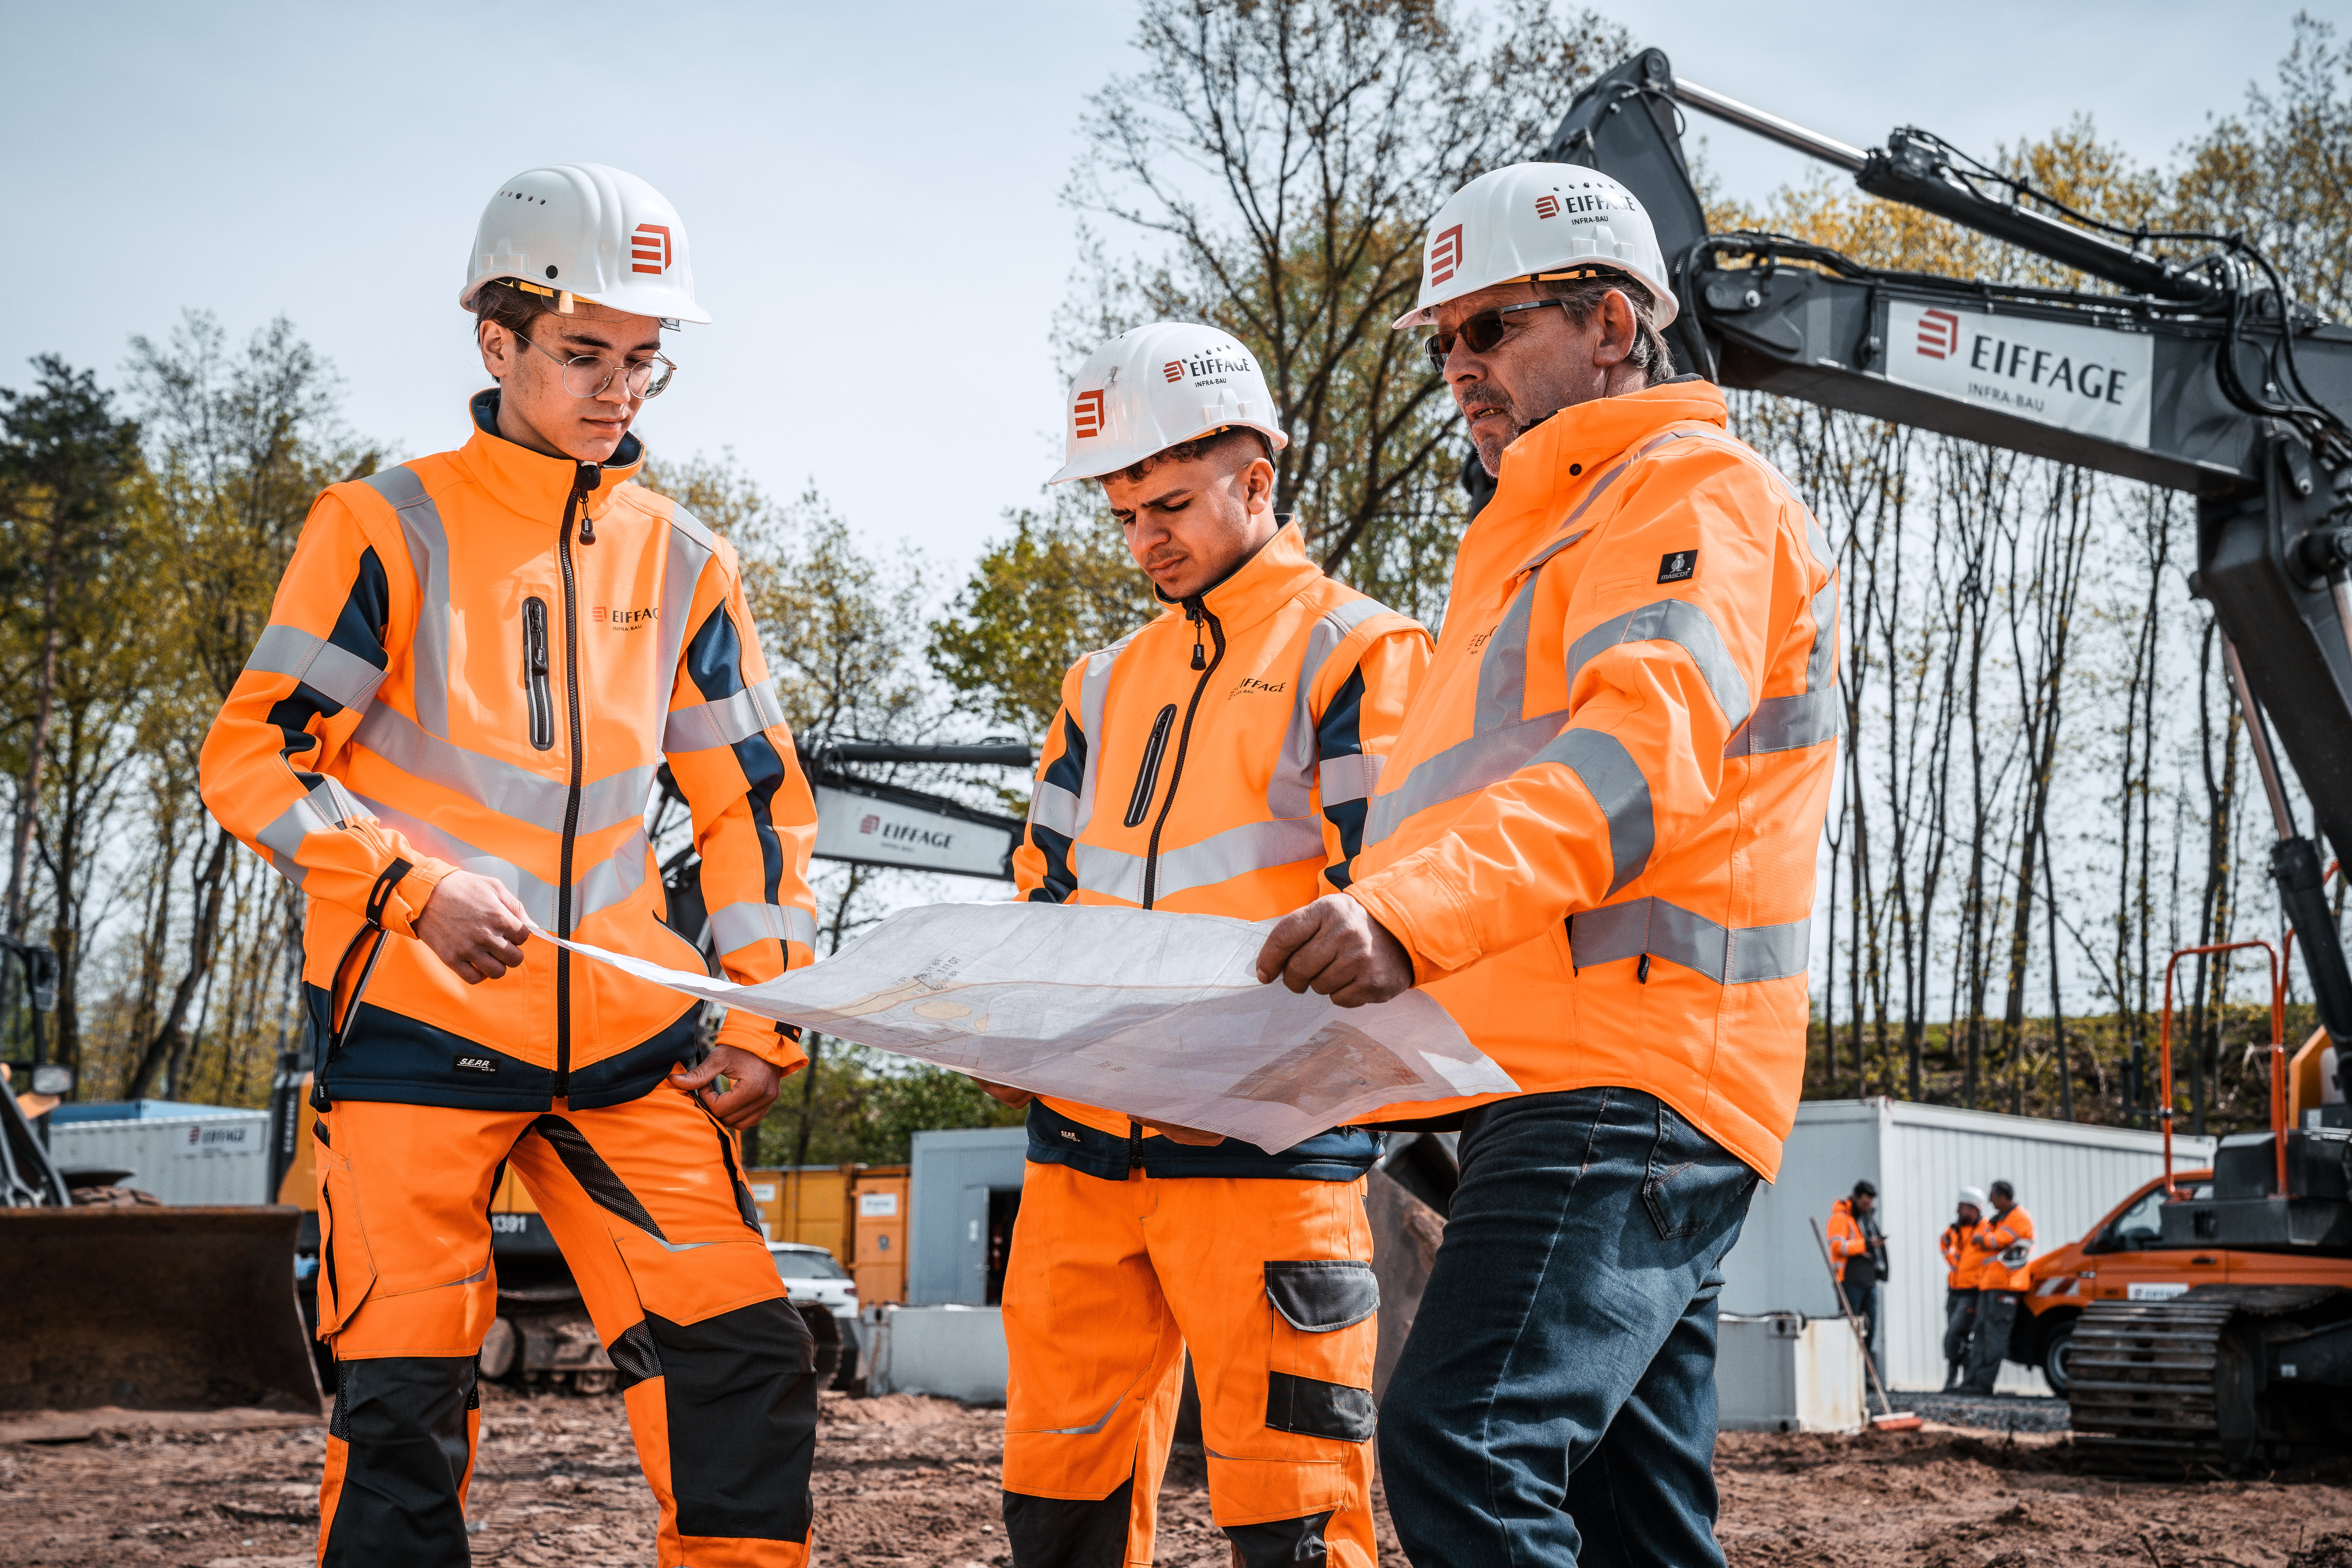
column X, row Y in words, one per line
column 1282, row 1542
column 741, row 1391
column 1069, row 1532
column 403, row 1420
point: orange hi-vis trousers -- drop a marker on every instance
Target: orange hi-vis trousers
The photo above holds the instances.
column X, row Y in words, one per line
column 1270, row 1283
column 645, row 1201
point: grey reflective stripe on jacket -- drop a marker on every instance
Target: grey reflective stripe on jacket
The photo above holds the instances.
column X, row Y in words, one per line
column 1725, row 954
column 332, row 672
column 326, row 809
column 1813, row 715
column 734, row 926
column 428, row 559
column 602, row 884
column 724, row 720
column 1294, row 832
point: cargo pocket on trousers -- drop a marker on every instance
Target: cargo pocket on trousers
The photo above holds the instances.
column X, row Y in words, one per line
column 346, row 1266
column 1319, row 1368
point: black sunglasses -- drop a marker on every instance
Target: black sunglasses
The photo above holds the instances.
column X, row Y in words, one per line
column 1487, row 328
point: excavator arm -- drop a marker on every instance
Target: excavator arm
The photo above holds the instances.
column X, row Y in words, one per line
column 2192, row 375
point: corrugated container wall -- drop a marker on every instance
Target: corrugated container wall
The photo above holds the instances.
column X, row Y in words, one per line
column 966, row 1182
column 2067, row 1176
column 219, row 1157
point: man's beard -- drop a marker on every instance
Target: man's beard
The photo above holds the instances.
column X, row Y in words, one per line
column 1491, row 441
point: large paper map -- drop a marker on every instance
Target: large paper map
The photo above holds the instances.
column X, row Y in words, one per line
column 1158, row 1016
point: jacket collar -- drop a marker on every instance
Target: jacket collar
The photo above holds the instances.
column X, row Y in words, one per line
column 1262, row 584
column 531, row 483
column 1574, row 445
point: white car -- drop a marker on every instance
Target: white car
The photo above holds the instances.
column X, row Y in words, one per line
column 813, row 1274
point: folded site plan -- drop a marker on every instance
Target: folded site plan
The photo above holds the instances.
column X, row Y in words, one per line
column 1158, row 1016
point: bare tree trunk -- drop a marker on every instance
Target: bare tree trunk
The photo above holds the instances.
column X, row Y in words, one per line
column 158, row 1048
column 28, row 794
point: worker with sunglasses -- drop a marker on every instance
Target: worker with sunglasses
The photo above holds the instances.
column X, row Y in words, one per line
column 1594, row 844
column 1214, row 761
column 446, row 736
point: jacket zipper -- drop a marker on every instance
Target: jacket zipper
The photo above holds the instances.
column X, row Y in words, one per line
column 534, row 668
column 573, row 505
column 1197, row 612
column 1147, row 774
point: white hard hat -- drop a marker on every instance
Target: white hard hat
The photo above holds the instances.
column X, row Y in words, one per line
column 1531, row 219
column 589, row 230
column 1146, row 390
column 1974, row 1197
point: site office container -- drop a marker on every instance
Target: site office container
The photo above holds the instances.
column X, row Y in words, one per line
column 2067, row 1176
column 221, row 1156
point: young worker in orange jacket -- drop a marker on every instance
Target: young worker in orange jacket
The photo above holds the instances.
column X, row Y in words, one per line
column 2001, row 1247
column 1215, row 761
column 1960, row 1284
column 446, row 736
column 1594, row 844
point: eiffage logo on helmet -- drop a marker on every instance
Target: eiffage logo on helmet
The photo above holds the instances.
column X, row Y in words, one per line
column 1089, row 414
column 1173, row 370
column 1445, row 255
column 1547, row 207
column 649, row 248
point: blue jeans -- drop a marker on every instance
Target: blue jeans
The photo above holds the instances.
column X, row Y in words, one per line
column 1555, row 1402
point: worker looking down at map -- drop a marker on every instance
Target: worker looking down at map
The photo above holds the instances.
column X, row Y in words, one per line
column 1215, row 761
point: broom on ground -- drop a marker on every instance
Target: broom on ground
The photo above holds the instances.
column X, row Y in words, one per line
column 1894, row 1420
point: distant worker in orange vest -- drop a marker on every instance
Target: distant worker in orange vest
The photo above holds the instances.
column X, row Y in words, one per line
column 476, row 664
column 1594, row 845
column 1959, row 1284
column 1215, row 761
column 2002, row 1247
column 1859, row 1248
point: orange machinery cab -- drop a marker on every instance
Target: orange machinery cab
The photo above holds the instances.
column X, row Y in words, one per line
column 2123, row 1259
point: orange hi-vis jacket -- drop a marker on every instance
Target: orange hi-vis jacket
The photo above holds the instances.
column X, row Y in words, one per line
column 1847, row 1238
column 1230, row 780
column 2000, row 1248
column 1596, row 835
column 1961, row 1269
column 478, row 661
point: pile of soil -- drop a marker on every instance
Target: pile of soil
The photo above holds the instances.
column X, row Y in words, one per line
column 904, row 1481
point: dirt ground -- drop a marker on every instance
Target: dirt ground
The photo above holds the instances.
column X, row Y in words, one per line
column 903, row 1481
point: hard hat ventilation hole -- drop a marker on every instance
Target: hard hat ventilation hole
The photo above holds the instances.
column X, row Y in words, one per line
column 550, row 272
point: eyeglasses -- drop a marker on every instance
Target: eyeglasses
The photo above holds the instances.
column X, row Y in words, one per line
column 1481, row 331
column 587, row 375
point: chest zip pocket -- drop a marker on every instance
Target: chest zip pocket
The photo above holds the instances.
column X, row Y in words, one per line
column 535, row 673
column 1319, row 1367
column 1147, row 773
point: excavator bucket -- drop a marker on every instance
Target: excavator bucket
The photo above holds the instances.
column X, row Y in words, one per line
column 153, row 1309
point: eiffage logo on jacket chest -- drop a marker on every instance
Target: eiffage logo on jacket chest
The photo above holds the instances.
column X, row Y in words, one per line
column 624, row 620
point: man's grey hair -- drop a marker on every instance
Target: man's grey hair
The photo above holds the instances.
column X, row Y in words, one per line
column 1582, row 296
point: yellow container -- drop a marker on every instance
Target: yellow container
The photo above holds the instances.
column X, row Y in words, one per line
column 804, row 1203
column 877, row 1197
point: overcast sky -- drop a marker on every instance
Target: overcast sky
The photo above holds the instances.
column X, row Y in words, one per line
column 873, row 190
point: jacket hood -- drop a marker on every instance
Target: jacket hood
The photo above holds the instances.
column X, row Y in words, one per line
column 533, row 483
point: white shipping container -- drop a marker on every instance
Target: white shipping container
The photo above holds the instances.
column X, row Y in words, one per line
column 182, row 1160
column 1918, row 1156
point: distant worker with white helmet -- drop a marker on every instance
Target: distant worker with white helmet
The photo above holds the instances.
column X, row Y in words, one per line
column 1214, row 761
column 1962, row 1268
column 446, row 736
column 1594, row 845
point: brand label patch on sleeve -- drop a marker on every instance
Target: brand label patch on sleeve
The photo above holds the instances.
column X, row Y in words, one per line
column 1678, row 566
column 464, row 1063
